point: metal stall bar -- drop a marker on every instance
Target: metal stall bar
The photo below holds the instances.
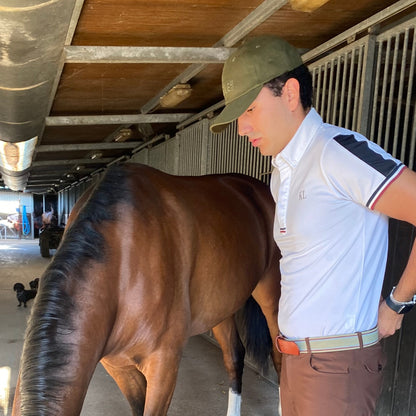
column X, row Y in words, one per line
column 337, row 62
column 226, row 160
column 338, row 85
column 223, row 146
column 395, row 41
column 235, row 163
column 218, row 151
column 357, row 91
column 366, row 88
column 330, row 90
column 215, row 150
column 325, row 88
column 375, row 104
column 205, row 147
column 231, row 162
column 381, row 133
column 245, row 153
column 400, row 92
column 317, row 75
column 343, row 84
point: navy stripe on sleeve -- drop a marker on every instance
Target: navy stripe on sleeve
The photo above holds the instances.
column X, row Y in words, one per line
column 361, row 149
column 389, row 168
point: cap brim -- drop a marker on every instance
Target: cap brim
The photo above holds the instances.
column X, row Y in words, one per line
column 234, row 109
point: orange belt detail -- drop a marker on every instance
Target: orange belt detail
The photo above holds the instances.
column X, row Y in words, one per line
column 328, row 343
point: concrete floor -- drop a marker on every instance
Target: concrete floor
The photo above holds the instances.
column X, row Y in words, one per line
column 202, row 384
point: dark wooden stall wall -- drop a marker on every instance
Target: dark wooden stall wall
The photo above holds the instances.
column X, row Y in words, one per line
column 398, row 397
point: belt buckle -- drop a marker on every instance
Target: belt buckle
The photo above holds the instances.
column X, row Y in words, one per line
column 286, row 347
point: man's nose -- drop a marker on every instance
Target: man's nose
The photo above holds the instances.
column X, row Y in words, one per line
column 244, row 126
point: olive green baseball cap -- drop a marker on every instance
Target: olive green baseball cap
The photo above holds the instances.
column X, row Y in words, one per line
column 257, row 61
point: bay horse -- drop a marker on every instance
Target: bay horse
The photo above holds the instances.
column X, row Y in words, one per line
column 147, row 260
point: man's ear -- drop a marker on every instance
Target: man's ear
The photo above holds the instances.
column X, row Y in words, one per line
column 292, row 93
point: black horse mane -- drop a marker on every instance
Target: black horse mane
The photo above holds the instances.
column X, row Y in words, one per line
column 44, row 353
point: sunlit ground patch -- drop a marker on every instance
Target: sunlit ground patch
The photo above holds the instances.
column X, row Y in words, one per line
column 4, row 389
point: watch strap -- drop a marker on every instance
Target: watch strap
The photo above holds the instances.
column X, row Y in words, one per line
column 399, row 307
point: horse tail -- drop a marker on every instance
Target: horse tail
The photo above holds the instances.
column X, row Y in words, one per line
column 255, row 333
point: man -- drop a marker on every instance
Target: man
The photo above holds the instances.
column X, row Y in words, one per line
column 334, row 191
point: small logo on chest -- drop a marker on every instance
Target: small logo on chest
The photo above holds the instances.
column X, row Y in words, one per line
column 302, row 195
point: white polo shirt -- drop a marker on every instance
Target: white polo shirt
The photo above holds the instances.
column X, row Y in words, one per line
column 334, row 246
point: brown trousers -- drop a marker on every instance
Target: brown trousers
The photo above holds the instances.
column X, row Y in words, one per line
column 342, row 383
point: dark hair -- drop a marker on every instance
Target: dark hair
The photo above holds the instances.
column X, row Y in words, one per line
column 304, row 77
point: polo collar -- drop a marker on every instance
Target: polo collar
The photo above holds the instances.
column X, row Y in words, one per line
column 295, row 149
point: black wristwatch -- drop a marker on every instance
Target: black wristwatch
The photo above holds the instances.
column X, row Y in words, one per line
column 399, row 307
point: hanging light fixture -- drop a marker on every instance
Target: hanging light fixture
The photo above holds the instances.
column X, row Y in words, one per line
column 96, row 155
column 123, row 135
column 175, row 95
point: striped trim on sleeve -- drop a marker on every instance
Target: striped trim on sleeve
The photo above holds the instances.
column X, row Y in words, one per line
column 394, row 174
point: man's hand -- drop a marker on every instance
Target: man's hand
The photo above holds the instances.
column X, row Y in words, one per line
column 388, row 320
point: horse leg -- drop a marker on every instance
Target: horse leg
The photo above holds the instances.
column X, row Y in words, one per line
column 131, row 383
column 267, row 294
column 233, row 354
column 160, row 370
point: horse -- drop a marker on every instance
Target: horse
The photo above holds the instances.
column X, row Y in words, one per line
column 148, row 260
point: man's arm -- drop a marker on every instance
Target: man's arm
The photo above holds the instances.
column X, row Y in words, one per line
column 399, row 202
